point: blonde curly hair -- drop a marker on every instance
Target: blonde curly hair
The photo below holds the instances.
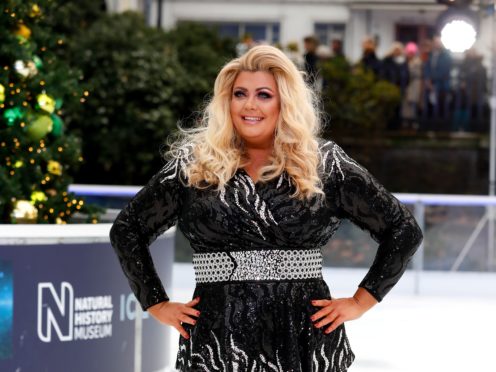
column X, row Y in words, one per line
column 218, row 150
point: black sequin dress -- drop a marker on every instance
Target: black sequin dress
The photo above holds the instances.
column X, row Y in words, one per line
column 263, row 325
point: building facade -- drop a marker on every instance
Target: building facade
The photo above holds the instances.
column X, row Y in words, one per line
column 289, row 21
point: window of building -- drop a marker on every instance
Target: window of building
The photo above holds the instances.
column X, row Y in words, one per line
column 326, row 32
column 416, row 33
column 268, row 32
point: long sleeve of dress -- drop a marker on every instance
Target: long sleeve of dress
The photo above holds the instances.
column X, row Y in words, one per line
column 148, row 214
column 360, row 198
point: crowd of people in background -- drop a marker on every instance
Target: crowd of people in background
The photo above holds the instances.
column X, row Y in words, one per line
column 438, row 92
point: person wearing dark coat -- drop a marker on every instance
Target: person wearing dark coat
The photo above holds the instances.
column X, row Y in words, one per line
column 471, row 95
column 369, row 58
column 395, row 70
column 311, row 59
column 437, row 77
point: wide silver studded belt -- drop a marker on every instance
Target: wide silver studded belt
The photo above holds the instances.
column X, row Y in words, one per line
column 263, row 264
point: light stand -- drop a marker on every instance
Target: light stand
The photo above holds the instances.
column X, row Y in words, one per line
column 492, row 151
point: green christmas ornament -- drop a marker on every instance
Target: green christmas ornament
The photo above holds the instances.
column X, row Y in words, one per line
column 39, row 128
column 58, row 125
column 13, row 114
column 37, row 62
column 58, row 103
column 22, row 40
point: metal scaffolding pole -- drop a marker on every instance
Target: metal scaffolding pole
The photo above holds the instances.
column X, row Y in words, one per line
column 418, row 258
column 147, row 10
column 159, row 13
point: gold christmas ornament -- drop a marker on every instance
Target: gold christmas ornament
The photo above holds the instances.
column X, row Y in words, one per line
column 33, row 70
column 24, row 212
column 23, row 30
column 18, row 164
column 46, row 102
column 54, row 167
column 38, row 196
column 2, row 93
column 35, row 11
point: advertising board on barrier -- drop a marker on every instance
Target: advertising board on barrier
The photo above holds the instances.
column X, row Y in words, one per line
column 69, row 308
column 6, row 309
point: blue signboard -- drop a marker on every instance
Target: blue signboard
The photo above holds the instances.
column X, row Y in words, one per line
column 68, row 307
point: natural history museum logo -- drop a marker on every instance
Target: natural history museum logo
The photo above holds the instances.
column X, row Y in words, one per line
column 70, row 318
column 62, row 316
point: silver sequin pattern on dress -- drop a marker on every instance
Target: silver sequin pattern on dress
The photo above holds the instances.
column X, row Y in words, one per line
column 338, row 156
column 267, row 264
column 324, row 359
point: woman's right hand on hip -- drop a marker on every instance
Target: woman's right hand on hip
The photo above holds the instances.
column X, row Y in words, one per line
column 175, row 313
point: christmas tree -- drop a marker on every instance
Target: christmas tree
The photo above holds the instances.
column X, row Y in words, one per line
column 37, row 154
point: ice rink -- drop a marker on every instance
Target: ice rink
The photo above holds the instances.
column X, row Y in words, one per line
column 450, row 326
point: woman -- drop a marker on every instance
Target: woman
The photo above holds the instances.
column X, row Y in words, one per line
column 412, row 97
column 258, row 193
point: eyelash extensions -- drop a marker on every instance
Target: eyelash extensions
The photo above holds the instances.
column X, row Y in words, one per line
column 267, row 95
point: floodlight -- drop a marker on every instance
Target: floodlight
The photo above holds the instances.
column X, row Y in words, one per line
column 458, row 26
column 458, row 35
